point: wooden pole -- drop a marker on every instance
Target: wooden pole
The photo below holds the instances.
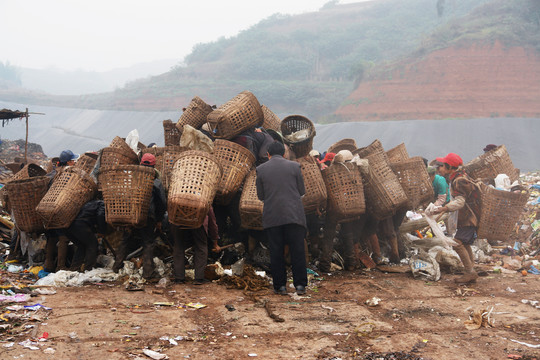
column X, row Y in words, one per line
column 26, row 141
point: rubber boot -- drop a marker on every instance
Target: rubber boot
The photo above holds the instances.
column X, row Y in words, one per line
column 394, row 251
column 121, row 254
column 62, row 253
column 373, row 243
column 470, row 275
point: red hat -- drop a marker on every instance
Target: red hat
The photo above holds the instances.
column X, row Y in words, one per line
column 451, row 159
column 148, row 160
column 328, row 157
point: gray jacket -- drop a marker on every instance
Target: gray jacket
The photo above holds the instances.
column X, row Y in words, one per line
column 280, row 186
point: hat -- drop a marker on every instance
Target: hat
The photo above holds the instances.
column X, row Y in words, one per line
column 431, row 170
column 148, row 160
column 451, row 159
column 346, row 154
column 314, row 153
column 328, row 157
column 67, row 155
column 490, row 147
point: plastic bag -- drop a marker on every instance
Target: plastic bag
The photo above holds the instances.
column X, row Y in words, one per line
column 437, row 231
column 196, row 140
column 424, row 266
column 133, row 140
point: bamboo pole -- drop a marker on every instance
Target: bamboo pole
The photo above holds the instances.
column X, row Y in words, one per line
column 26, row 141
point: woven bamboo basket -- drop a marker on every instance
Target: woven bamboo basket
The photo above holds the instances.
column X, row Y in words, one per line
column 271, row 120
column 374, row 147
column 316, row 195
column 345, row 190
column 384, row 194
column 63, row 201
column 52, row 164
column 127, row 190
column 293, row 124
column 251, row 208
column 165, row 159
column 86, row 162
column 195, row 177
column 111, row 156
column 194, row 115
column 491, row 164
column 241, row 113
column 235, row 161
column 500, row 212
column 171, row 133
column 343, row 144
column 397, row 154
column 24, row 197
column 29, row 171
column 414, row 179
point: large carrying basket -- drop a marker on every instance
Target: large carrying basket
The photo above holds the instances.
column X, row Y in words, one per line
column 24, row 196
column 345, row 190
column 316, row 195
column 29, row 171
column 241, row 113
column 500, row 212
column 374, row 148
column 127, row 190
column 235, row 161
column 414, row 179
column 251, row 208
column 171, row 133
column 194, row 181
column 271, row 120
column 397, row 154
column 111, row 156
column 194, row 115
column 69, row 192
column 343, row 144
column 298, row 132
column 384, row 194
column 86, row 162
column 165, row 159
column 491, row 164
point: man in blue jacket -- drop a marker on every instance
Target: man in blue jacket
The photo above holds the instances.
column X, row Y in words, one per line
column 280, row 186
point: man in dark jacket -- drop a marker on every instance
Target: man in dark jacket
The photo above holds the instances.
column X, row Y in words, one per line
column 280, row 186
column 145, row 234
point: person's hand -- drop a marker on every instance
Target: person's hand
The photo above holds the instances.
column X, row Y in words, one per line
column 216, row 248
column 440, row 210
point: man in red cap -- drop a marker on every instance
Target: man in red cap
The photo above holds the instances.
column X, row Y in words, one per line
column 466, row 200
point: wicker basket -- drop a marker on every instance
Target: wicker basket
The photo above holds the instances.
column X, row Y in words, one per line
column 414, row 179
column 171, row 133
column 345, row 190
column 373, row 148
column 127, row 190
column 69, row 192
column 51, row 164
column 235, row 161
column 86, row 162
column 251, row 208
column 343, row 144
column 294, row 123
column 500, row 212
column 271, row 120
column 241, row 113
column 165, row 159
column 195, row 177
column 29, row 171
column 194, row 115
column 491, row 164
column 111, row 156
column 24, row 197
column 397, row 154
column 315, row 196
column 384, row 194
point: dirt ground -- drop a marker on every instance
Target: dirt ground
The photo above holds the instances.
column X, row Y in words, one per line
column 414, row 320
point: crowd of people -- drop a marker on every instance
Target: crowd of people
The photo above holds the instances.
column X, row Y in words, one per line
column 291, row 236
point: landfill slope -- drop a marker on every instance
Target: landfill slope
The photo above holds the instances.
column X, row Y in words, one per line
column 85, row 130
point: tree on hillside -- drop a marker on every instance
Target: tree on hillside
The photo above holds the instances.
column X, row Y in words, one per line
column 10, row 73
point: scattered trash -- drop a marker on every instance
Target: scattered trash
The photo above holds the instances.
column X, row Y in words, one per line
column 509, row 289
column 163, row 283
column 424, row 266
column 49, row 351
column 196, row 305
column 252, row 355
column 526, row 344
column 154, row 354
column 478, row 319
column 331, row 309
column 45, row 291
column 533, row 270
column 14, row 298
column 374, row 301
column 74, row 278
column 29, row 344
column 230, row 307
column 533, row 303
column 36, row 307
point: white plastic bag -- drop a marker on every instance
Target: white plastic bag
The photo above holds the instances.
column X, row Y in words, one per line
column 133, row 140
column 437, row 231
column 424, row 266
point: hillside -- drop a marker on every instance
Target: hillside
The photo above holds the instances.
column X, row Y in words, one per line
column 302, row 64
column 485, row 65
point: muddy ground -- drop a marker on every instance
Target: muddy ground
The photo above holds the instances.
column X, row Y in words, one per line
column 415, row 319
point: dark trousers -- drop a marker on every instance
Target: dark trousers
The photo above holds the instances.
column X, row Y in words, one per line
column 278, row 237
column 86, row 242
column 181, row 239
column 144, row 235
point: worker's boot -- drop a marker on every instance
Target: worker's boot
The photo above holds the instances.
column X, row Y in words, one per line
column 121, row 254
column 394, row 249
column 470, row 275
column 50, row 254
column 373, row 243
column 62, row 253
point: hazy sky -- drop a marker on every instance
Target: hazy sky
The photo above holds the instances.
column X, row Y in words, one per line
column 100, row 35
